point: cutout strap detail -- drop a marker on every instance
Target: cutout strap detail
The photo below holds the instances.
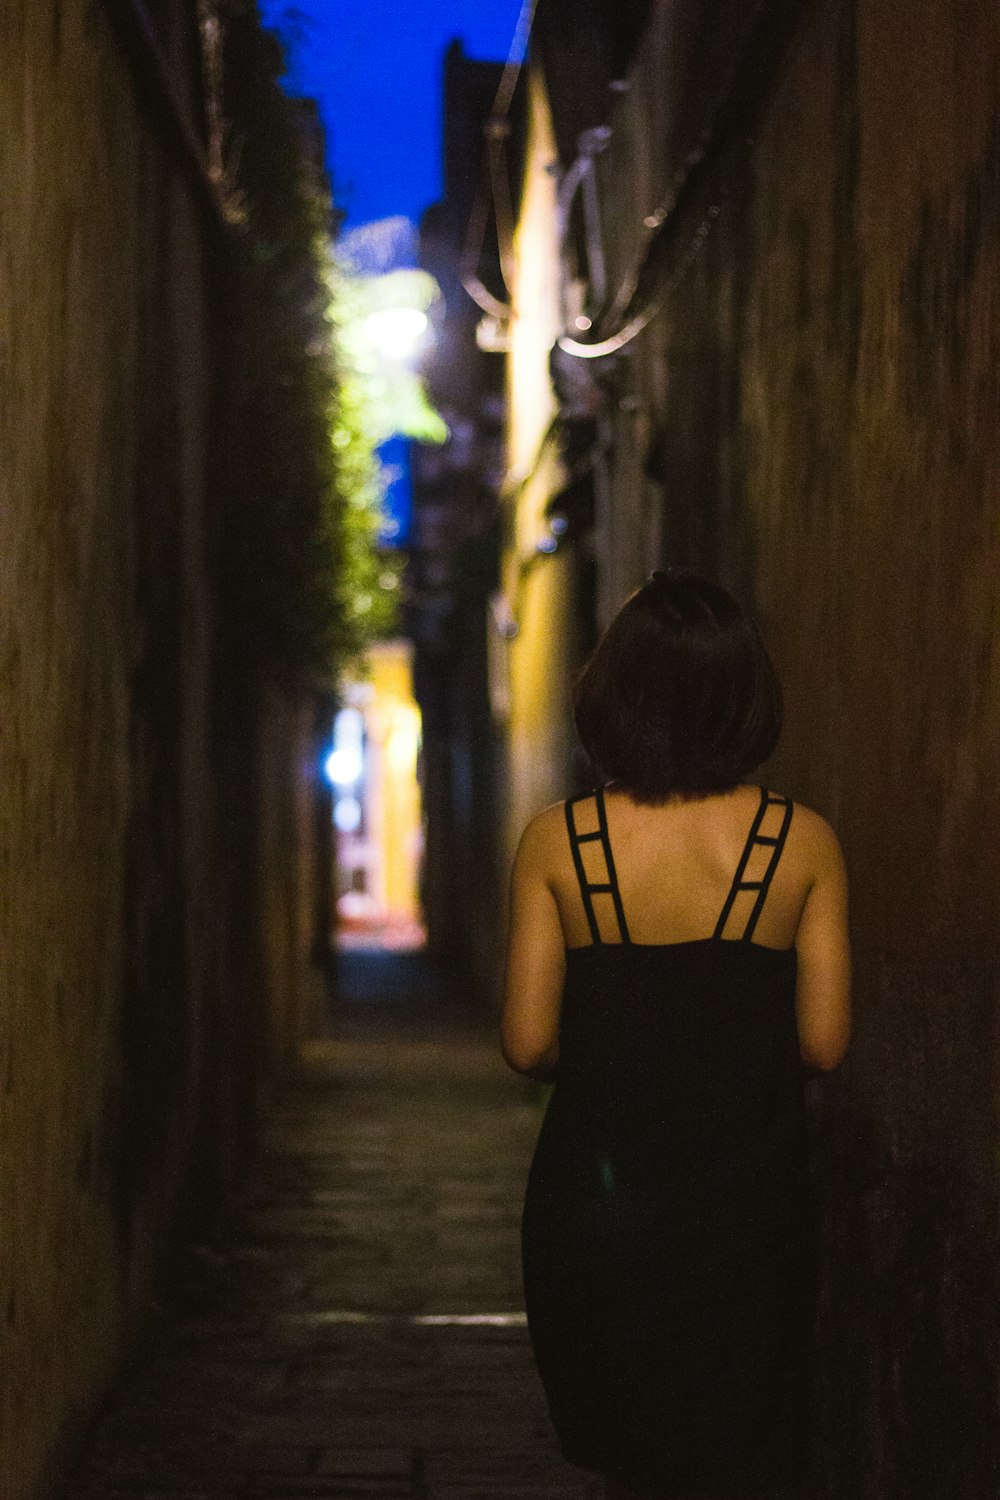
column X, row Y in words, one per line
column 762, row 886
column 589, row 889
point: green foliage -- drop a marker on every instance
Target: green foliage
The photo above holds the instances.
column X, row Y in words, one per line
column 307, row 586
column 388, row 393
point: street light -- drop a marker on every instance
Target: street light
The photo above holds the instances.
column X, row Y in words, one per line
column 396, row 332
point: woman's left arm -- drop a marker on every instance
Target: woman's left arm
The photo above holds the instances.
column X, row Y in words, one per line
column 536, row 961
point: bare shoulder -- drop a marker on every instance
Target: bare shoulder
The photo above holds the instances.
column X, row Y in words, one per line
column 813, row 844
column 542, row 840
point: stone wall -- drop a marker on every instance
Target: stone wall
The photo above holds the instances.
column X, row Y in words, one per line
column 812, row 418
column 139, row 1010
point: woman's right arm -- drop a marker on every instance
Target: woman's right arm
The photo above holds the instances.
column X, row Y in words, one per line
column 822, row 943
column 536, row 959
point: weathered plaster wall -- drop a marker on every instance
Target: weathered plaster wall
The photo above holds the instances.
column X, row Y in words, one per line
column 130, row 1037
column 540, row 659
column 292, row 929
column 814, row 419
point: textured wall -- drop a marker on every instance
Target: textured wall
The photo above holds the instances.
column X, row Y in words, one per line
column 537, row 664
column 813, row 418
column 124, row 1103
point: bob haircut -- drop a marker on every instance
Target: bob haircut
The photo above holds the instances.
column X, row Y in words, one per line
column 680, row 698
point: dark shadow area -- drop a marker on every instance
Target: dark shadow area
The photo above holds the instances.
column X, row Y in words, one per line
column 376, row 994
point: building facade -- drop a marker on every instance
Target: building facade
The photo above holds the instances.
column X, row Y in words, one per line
column 763, row 242
column 157, row 890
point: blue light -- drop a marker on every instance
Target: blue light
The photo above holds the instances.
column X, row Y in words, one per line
column 344, row 765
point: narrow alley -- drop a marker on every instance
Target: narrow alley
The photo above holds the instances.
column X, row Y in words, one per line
column 357, row 364
column 361, row 1333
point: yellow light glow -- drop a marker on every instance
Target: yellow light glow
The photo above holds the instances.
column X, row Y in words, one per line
column 386, row 846
column 403, row 741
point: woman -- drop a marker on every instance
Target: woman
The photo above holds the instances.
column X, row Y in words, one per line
column 678, row 957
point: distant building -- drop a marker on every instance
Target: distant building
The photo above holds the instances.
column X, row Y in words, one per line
column 453, row 552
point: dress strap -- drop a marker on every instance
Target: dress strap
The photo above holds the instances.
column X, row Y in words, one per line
column 756, row 839
column 588, row 888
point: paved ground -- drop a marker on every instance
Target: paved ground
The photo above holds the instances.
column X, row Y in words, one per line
column 362, row 1334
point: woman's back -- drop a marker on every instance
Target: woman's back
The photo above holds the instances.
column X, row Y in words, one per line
column 670, row 1004
column 675, row 864
column 735, row 868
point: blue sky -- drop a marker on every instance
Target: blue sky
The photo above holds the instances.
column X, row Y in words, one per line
column 374, row 66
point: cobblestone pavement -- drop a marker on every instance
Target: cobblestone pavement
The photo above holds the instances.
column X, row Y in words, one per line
column 361, row 1334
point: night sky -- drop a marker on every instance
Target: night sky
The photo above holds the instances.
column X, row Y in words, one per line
column 375, row 68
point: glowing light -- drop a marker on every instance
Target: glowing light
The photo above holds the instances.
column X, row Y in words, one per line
column 583, row 322
column 352, row 1317
column 546, row 544
column 346, row 762
column 379, row 841
column 344, row 765
column 558, row 525
column 347, row 814
column 396, row 331
column 404, row 742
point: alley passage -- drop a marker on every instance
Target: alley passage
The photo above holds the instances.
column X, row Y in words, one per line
column 361, row 1334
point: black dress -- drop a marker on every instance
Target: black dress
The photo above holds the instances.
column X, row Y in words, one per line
column 667, row 1233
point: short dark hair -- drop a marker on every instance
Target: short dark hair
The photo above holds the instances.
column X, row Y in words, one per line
column 680, row 696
